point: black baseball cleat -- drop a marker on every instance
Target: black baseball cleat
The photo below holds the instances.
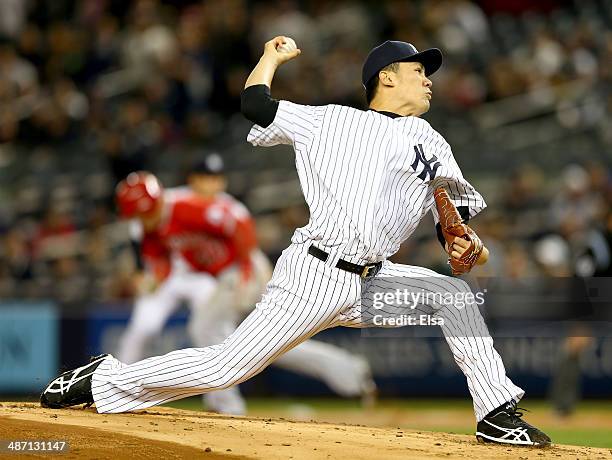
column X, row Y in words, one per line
column 72, row 387
column 504, row 425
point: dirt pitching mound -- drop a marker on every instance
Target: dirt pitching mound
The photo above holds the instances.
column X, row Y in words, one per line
column 172, row 433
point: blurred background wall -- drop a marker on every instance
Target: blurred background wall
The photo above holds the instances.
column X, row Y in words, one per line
column 91, row 90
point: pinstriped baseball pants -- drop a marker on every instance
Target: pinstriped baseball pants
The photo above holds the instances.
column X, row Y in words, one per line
column 305, row 296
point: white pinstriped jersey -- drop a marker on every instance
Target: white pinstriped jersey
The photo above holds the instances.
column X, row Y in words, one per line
column 367, row 178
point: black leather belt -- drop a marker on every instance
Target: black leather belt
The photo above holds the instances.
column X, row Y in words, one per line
column 365, row 271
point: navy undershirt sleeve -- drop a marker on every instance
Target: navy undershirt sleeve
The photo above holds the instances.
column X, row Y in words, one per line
column 257, row 105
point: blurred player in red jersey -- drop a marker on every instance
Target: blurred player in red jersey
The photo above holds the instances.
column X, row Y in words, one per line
column 198, row 245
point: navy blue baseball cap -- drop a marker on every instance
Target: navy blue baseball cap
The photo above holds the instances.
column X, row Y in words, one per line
column 395, row 51
column 211, row 165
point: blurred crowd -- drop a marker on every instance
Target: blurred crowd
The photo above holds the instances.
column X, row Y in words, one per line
column 91, row 90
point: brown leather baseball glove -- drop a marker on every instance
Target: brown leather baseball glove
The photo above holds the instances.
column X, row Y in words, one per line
column 453, row 226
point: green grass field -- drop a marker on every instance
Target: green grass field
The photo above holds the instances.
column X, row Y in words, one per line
column 591, row 425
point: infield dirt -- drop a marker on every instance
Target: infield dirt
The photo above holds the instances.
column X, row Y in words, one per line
column 173, row 433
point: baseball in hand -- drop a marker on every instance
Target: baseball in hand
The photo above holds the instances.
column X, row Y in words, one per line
column 288, row 47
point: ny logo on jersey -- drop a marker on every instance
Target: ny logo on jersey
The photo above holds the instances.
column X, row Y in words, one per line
column 428, row 169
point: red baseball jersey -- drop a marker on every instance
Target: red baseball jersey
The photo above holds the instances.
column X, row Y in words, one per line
column 209, row 234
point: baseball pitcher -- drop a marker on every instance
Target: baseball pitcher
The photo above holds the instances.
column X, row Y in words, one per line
column 368, row 177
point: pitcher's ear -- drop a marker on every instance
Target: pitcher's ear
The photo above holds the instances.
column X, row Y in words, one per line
column 387, row 78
